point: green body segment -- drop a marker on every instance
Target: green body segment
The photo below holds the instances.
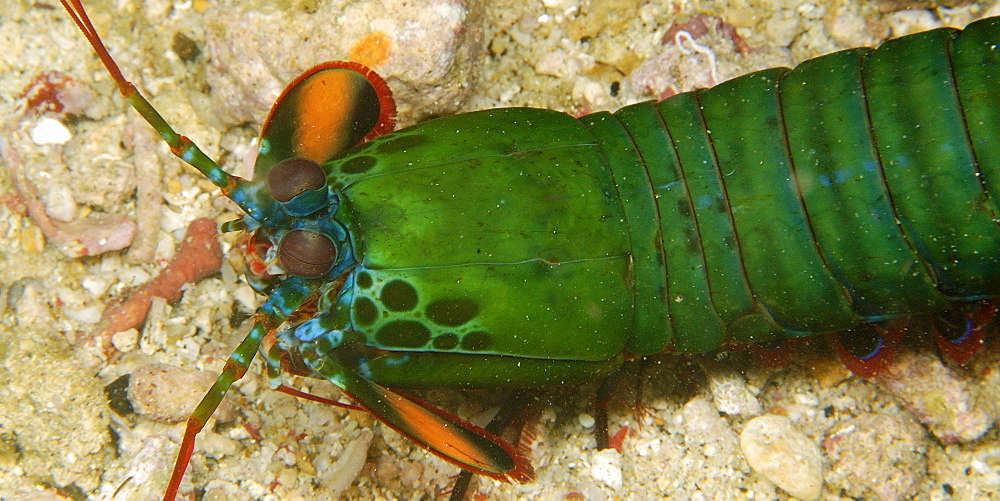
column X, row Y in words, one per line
column 843, row 189
column 780, row 257
column 499, row 233
column 722, row 272
column 636, row 194
column 929, row 164
column 974, row 55
column 854, row 185
column 854, row 188
column 686, row 292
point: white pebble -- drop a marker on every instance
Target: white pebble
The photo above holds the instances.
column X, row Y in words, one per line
column 590, row 91
column 87, row 315
column 510, row 93
column 95, row 285
column 776, row 449
column 125, row 341
column 247, row 298
column 586, row 420
column 144, row 466
column 559, row 4
column 218, row 446
column 60, row 204
column 553, row 63
column 811, row 11
column 806, row 399
column 606, row 467
column 732, row 396
column 133, row 276
column 171, row 221
column 783, row 29
column 238, row 433
column 286, row 456
column 906, row 22
column 345, row 471
column 659, row 404
column 50, row 131
column 847, row 27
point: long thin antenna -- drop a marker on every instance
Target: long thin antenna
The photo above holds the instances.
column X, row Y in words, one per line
column 180, row 146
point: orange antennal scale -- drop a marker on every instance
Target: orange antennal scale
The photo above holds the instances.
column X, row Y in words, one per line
column 326, row 110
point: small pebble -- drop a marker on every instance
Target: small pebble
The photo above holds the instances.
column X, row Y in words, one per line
column 561, row 5
column 126, row 340
column 586, row 420
column 783, row 29
column 659, row 404
column 776, row 449
column 731, row 395
column 552, row 63
column 591, row 92
column 50, row 131
column 60, row 204
column 32, row 239
column 217, row 446
column 95, row 285
column 878, row 456
column 87, row 315
column 345, row 471
column 247, row 298
column 806, row 399
column 220, row 490
column 167, row 394
column 940, row 397
column 410, row 474
column 149, row 468
column 606, row 468
column 848, row 27
column 703, row 424
column 907, row 22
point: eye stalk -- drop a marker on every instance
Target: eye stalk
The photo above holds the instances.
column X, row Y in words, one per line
column 306, row 253
column 293, row 176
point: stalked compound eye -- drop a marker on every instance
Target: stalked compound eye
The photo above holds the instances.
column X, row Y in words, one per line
column 306, row 253
column 293, row 176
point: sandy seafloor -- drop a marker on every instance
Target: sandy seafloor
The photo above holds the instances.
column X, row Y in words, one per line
column 59, row 437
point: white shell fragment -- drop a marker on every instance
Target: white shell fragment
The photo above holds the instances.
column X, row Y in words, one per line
column 776, row 449
column 50, row 131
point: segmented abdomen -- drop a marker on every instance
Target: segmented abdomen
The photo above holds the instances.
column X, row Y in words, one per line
column 854, row 188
